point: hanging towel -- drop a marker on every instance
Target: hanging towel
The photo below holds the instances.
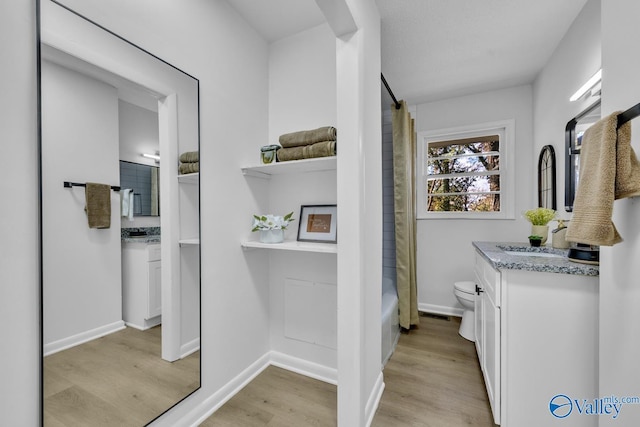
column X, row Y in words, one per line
column 609, row 170
column 308, row 137
column 126, row 203
column 98, row 208
column 319, row 149
column 190, row 157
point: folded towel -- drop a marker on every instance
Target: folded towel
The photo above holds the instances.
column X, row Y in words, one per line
column 307, row 137
column 319, row 149
column 185, row 168
column 126, row 203
column 190, row 157
column 98, row 197
column 609, row 170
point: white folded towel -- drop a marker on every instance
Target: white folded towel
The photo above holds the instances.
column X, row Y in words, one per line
column 126, row 201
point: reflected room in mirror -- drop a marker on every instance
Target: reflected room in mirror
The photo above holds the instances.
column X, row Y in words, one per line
column 120, row 322
column 144, row 183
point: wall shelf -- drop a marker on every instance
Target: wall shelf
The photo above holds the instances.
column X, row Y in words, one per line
column 190, row 178
column 290, row 167
column 189, row 242
column 292, row 245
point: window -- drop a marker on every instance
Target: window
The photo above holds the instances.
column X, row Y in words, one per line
column 464, row 172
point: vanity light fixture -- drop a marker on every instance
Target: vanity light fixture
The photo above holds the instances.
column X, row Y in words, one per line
column 155, row 157
column 595, row 79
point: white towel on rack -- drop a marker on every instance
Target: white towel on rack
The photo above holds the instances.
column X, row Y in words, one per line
column 126, row 201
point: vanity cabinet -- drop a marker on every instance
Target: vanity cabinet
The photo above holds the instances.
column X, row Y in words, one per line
column 141, row 285
column 487, row 320
column 536, row 337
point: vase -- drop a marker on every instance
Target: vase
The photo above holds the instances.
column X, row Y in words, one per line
column 540, row 230
column 272, row 236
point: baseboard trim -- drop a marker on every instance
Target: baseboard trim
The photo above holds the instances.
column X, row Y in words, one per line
column 304, row 367
column 374, row 399
column 81, row 338
column 189, row 348
column 226, row 392
column 281, row 360
column 440, row 309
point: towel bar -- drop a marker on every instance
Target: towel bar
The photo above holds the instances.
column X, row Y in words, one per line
column 68, row 184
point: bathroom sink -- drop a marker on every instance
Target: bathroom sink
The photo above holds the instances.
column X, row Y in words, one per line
column 534, row 254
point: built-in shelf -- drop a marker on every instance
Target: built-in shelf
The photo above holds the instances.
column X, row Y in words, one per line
column 189, row 178
column 188, row 242
column 293, row 166
column 292, row 245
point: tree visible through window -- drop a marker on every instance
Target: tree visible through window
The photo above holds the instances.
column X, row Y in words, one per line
column 463, row 175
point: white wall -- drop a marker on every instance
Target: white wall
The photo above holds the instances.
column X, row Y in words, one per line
column 295, row 105
column 619, row 268
column 302, row 81
column 445, row 254
column 81, row 266
column 138, row 133
column 19, row 265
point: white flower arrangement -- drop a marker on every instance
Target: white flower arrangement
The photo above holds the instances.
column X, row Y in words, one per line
column 271, row 222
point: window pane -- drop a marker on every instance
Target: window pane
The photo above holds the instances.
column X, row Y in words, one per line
column 459, row 156
column 464, row 203
column 464, row 184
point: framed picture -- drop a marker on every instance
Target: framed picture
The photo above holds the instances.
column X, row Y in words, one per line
column 318, row 223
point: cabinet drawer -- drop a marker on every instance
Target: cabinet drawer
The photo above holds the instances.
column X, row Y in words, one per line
column 489, row 278
column 154, row 252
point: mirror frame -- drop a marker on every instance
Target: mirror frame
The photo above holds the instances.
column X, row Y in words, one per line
column 39, row 145
column 570, row 184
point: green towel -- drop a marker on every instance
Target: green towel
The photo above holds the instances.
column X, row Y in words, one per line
column 319, row 149
column 98, row 197
column 308, row 137
column 185, row 168
column 190, row 157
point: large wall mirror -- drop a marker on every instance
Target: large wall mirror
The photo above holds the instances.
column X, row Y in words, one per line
column 574, row 130
column 120, row 311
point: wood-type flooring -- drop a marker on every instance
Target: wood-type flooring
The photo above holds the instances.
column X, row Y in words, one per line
column 432, row 380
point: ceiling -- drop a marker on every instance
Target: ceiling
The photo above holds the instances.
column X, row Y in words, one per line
column 437, row 49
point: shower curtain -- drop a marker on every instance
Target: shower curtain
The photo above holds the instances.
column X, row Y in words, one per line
column 404, row 149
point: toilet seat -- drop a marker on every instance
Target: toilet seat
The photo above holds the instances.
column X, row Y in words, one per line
column 466, row 286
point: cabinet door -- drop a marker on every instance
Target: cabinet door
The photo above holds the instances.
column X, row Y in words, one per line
column 491, row 353
column 154, row 304
column 478, row 314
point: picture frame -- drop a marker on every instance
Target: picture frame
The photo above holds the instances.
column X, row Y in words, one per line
column 318, row 223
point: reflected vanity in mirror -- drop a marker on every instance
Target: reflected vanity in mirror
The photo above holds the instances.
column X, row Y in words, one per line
column 120, row 314
column 144, row 183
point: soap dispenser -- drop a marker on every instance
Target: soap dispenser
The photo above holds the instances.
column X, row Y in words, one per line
column 558, row 236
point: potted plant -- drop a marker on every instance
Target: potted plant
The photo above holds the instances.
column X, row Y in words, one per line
column 271, row 227
column 539, row 219
column 535, row 240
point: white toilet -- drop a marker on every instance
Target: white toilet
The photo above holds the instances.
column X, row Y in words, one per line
column 465, row 292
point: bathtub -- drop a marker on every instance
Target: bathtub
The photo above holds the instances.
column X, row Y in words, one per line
column 390, row 323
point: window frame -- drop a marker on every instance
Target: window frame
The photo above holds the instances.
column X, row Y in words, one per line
column 506, row 131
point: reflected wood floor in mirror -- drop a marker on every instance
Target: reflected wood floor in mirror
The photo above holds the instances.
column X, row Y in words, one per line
column 117, row 380
column 433, row 379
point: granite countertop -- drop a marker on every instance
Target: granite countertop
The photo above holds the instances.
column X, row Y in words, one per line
column 543, row 259
column 145, row 235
